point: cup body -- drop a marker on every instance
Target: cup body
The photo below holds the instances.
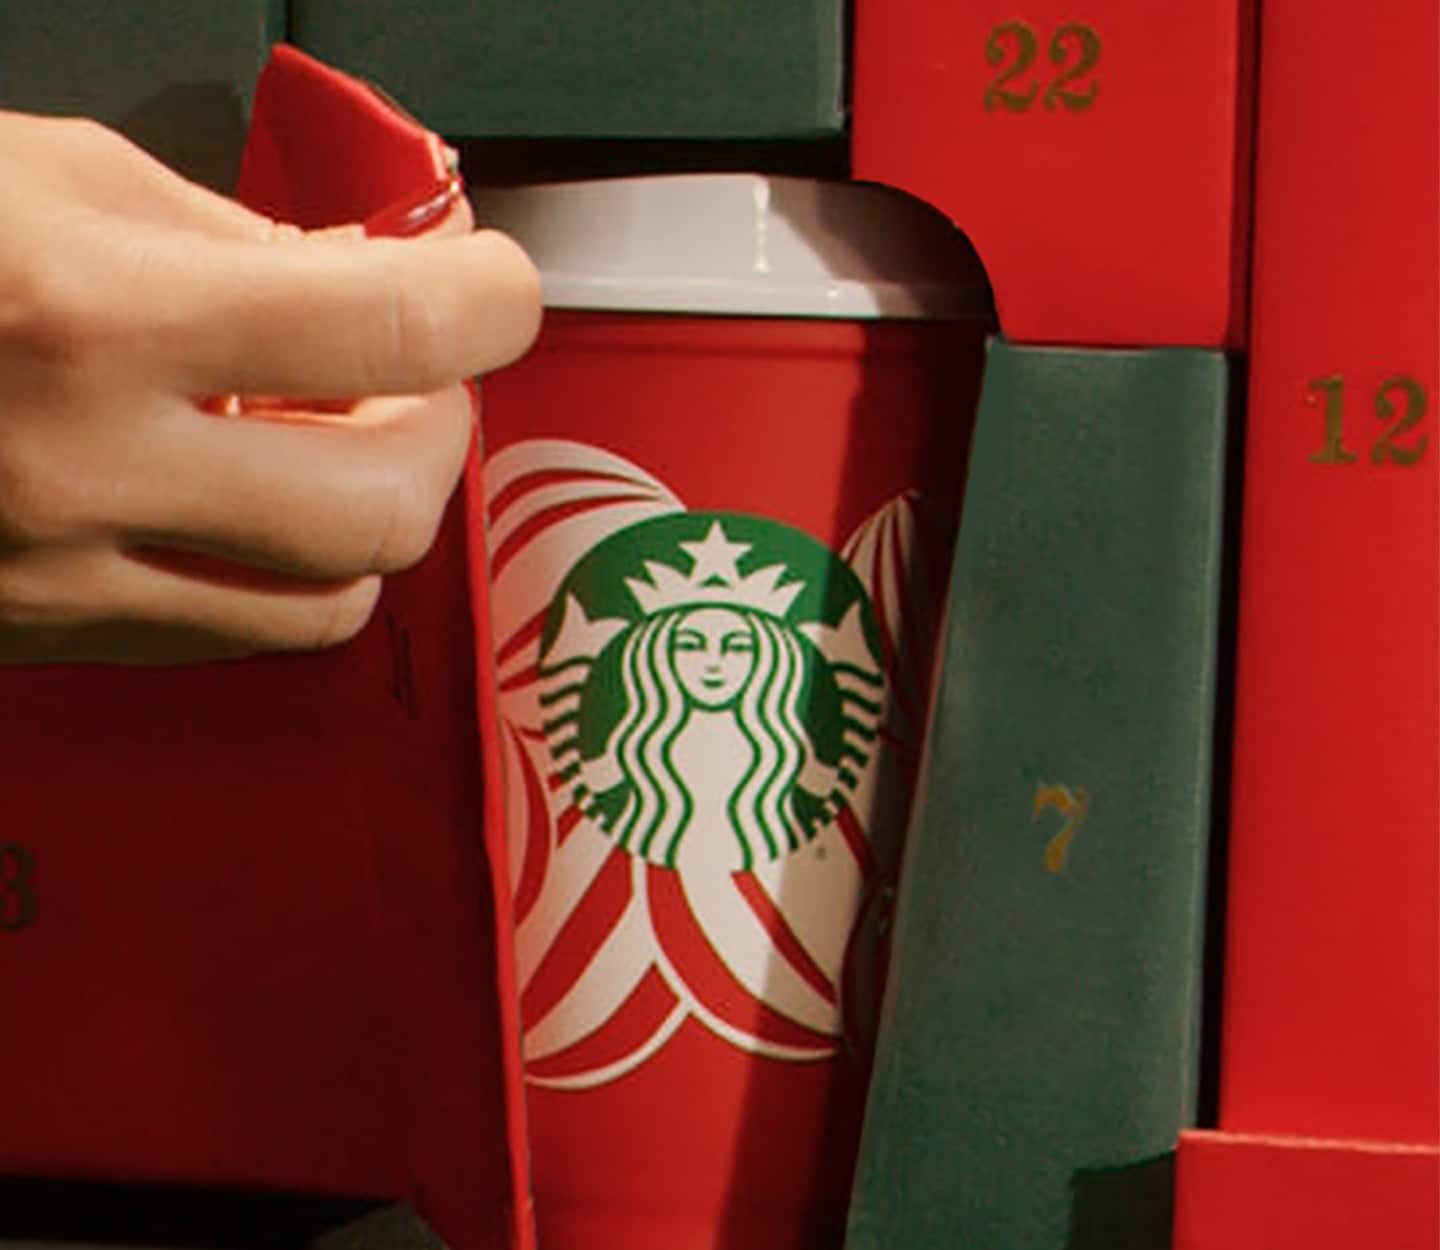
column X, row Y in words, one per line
column 719, row 548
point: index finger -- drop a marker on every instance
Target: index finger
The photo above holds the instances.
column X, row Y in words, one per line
column 324, row 317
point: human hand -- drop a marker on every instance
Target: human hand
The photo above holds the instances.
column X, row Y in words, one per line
column 136, row 527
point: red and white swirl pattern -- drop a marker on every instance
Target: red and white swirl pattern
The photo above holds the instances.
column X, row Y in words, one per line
column 613, row 952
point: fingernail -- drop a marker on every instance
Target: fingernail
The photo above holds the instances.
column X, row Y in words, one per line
column 415, row 214
column 285, row 403
column 219, row 405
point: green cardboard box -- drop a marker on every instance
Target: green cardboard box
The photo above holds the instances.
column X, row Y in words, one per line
column 701, row 69
column 174, row 75
column 1039, row 1050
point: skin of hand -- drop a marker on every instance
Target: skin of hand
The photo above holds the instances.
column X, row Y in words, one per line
column 137, row 528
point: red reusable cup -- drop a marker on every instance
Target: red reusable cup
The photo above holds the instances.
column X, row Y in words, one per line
column 720, row 497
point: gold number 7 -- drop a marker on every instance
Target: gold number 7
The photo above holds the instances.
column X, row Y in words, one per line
column 1072, row 804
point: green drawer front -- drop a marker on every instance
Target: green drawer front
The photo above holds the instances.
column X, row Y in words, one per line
column 1039, row 1054
column 708, row 69
column 174, row 75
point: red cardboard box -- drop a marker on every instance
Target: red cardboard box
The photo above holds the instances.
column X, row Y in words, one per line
column 1098, row 159
column 249, row 932
column 1239, row 1192
column 1331, row 1011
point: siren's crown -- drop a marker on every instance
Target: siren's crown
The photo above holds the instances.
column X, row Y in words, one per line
column 714, row 578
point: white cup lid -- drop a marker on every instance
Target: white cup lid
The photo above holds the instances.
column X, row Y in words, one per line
column 740, row 244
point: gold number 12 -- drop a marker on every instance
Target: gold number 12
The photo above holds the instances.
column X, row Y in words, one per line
column 1384, row 449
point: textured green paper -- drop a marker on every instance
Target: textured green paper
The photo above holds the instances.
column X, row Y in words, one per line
column 1038, row 1054
column 175, row 75
column 705, row 69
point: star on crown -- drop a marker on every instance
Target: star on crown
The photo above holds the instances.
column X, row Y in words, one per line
column 714, row 578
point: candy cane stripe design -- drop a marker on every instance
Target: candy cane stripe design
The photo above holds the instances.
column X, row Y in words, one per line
column 790, row 948
column 574, row 870
column 643, row 1024
column 595, row 995
column 580, row 938
column 700, row 710
column 533, row 818
column 722, row 1003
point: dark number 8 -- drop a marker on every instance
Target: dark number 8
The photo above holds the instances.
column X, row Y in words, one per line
column 17, row 894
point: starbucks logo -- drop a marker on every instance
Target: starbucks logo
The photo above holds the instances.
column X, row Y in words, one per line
column 713, row 690
column 710, row 733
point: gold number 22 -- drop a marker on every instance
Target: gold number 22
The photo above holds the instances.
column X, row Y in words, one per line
column 1072, row 40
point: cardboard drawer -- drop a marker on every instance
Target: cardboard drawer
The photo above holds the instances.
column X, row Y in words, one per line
column 709, row 69
column 174, row 75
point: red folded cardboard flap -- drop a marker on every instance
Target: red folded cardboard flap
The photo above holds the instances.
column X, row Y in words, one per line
column 1245, row 1192
column 325, row 148
column 251, row 930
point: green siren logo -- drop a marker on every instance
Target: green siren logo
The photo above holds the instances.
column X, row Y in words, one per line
column 713, row 689
column 710, row 726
